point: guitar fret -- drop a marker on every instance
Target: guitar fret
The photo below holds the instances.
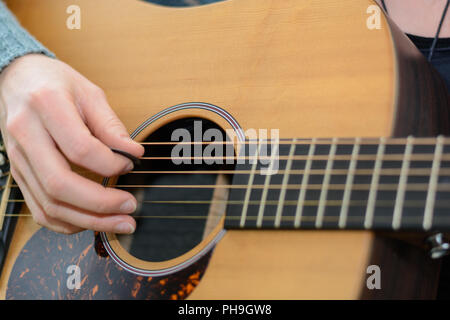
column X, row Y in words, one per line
column 326, row 182
column 404, row 193
column 5, row 198
column 400, row 197
column 249, row 189
column 284, row 185
column 368, row 220
column 431, row 195
column 266, row 188
column 305, row 178
column 348, row 185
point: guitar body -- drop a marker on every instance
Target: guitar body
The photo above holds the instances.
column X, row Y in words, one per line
column 308, row 68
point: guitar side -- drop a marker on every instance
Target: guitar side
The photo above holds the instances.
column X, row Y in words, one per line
column 313, row 61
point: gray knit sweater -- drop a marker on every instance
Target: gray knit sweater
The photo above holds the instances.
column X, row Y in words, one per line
column 15, row 41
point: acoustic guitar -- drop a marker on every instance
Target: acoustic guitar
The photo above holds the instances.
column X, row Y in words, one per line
column 356, row 120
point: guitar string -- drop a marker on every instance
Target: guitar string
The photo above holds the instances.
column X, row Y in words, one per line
column 329, row 202
column 289, row 141
column 391, row 171
column 337, row 186
column 440, row 203
column 272, row 218
column 387, row 157
column 444, row 172
column 324, row 157
column 386, row 172
column 343, row 157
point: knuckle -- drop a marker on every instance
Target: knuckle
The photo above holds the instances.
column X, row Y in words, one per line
column 94, row 223
column 13, row 153
column 51, row 209
column 39, row 97
column 111, row 171
column 15, row 174
column 101, row 207
column 45, row 97
column 53, row 185
column 98, row 93
column 38, row 219
column 16, row 124
column 79, row 149
column 67, row 230
column 113, row 124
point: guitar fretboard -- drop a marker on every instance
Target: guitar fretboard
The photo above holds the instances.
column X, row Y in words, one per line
column 387, row 183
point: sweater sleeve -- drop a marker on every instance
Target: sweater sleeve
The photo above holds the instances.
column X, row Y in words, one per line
column 15, row 41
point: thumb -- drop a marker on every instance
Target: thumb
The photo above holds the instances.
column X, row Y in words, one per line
column 106, row 126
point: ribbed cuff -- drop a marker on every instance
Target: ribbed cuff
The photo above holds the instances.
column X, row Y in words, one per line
column 15, row 41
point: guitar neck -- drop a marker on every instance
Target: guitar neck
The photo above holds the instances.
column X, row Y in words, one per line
column 386, row 183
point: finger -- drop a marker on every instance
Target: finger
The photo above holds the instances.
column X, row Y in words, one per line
column 124, row 224
column 61, row 183
column 67, row 219
column 65, row 125
column 38, row 214
column 106, row 126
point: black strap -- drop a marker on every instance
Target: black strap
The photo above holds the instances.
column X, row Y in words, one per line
column 436, row 37
column 433, row 46
column 384, row 6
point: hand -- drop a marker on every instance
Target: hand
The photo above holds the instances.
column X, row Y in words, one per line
column 51, row 113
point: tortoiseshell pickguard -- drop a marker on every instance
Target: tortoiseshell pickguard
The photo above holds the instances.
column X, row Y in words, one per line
column 40, row 272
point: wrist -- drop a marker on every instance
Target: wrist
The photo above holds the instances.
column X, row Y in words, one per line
column 16, row 41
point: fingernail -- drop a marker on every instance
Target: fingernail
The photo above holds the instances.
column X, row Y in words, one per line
column 128, row 139
column 128, row 206
column 129, row 167
column 124, row 227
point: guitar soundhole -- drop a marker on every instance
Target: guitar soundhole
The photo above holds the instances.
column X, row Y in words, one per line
column 175, row 208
